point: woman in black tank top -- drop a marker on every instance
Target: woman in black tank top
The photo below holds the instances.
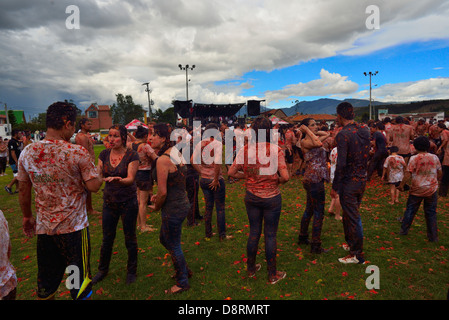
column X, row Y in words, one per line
column 171, row 198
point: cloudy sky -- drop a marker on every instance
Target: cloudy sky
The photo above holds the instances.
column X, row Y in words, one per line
column 277, row 50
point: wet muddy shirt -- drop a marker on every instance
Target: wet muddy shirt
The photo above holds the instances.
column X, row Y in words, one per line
column 260, row 168
column 114, row 192
column 401, row 134
column 445, row 137
column 145, row 151
column 211, row 153
column 290, row 139
column 316, row 169
column 424, row 169
column 57, row 170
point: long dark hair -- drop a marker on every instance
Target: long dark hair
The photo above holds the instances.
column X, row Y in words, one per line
column 262, row 123
column 123, row 132
column 163, row 130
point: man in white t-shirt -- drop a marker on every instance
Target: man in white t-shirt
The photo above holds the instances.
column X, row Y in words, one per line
column 60, row 173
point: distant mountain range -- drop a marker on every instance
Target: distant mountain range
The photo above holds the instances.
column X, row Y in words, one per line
column 329, row 106
column 320, row 106
column 325, row 106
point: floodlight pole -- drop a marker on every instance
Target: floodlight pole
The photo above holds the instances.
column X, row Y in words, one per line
column 370, row 89
column 186, row 68
column 148, row 90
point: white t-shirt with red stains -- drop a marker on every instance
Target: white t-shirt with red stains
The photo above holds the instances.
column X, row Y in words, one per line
column 424, row 169
column 8, row 278
column 57, row 170
column 395, row 165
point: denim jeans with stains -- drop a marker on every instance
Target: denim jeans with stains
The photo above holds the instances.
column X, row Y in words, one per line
column 214, row 197
column 262, row 212
column 316, row 196
column 351, row 195
column 170, row 238
column 430, row 213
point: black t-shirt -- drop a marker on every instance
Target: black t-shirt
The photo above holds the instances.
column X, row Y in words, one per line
column 114, row 192
column 16, row 146
column 353, row 145
column 381, row 142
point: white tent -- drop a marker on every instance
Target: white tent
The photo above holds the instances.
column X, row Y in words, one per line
column 134, row 124
column 276, row 120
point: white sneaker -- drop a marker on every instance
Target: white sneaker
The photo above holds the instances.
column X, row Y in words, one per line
column 346, row 247
column 351, row 259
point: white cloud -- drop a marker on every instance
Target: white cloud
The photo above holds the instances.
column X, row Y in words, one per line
column 434, row 88
column 121, row 44
column 328, row 84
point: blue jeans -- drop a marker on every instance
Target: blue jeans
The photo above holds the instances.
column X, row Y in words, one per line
column 351, row 195
column 218, row 198
column 170, row 238
column 430, row 212
column 112, row 212
column 316, row 196
column 262, row 212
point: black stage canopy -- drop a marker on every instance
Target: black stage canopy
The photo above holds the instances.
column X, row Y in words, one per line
column 216, row 110
column 187, row 109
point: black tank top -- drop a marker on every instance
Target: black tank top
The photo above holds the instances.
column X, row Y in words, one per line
column 176, row 201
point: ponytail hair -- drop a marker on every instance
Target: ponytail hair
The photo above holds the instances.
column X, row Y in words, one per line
column 305, row 122
column 141, row 132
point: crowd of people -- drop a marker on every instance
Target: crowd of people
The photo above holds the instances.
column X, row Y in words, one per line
column 406, row 155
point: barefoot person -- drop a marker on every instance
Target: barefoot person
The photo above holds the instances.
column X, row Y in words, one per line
column 353, row 144
column 171, row 199
column 84, row 139
column 393, row 172
column 59, row 172
column 144, row 181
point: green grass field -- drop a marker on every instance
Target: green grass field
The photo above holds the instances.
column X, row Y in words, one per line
column 411, row 268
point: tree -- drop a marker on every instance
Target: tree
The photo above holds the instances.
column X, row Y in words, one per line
column 125, row 110
column 12, row 119
column 167, row 116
